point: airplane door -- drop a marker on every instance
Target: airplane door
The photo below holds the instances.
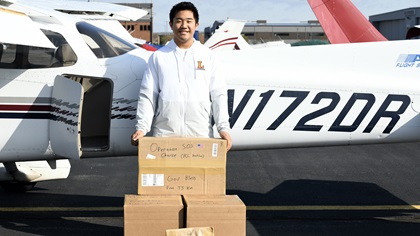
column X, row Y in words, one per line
column 65, row 123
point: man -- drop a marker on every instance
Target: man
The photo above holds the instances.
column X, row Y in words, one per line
column 183, row 89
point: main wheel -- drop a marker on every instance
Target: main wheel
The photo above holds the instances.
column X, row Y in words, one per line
column 14, row 186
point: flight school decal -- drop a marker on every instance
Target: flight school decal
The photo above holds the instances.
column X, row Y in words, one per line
column 408, row 61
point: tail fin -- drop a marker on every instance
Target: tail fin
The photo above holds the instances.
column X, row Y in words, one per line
column 226, row 35
column 241, row 44
column 343, row 22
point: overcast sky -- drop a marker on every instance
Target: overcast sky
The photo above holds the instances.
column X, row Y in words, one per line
column 274, row 11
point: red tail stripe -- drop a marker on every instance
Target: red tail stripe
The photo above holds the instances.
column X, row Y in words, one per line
column 217, row 44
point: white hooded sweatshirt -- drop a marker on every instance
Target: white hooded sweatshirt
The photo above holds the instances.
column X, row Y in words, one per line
column 181, row 91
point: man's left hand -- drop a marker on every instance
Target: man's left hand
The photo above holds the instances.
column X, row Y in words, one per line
column 226, row 136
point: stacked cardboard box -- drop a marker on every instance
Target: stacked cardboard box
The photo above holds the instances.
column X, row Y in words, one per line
column 226, row 214
column 152, row 215
column 182, row 166
column 191, row 168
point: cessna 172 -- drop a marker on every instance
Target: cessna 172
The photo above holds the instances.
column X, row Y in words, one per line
column 72, row 93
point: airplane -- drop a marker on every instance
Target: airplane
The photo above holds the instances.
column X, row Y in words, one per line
column 342, row 22
column 62, row 43
column 77, row 98
column 228, row 37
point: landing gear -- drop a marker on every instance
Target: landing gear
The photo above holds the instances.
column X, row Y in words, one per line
column 22, row 176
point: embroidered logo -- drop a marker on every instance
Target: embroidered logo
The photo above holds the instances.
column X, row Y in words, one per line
column 200, row 65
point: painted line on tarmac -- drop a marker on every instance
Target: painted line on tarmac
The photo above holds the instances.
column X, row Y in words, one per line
column 248, row 208
column 334, row 208
column 58, row 209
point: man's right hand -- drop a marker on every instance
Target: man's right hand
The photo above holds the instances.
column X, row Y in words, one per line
column 136, row 136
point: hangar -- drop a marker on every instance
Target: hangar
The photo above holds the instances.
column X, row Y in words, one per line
column 398, row 25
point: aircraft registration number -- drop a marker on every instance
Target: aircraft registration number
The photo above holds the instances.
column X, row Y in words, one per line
column 334, row 99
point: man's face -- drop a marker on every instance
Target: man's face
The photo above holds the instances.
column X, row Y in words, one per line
column 183, row 26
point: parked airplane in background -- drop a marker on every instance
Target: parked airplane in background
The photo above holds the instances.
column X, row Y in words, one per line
column 73, row 93
column 229, row 37
column 226, row 36
column 342, row 22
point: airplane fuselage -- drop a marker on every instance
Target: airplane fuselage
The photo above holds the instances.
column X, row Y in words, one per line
column 324, row 95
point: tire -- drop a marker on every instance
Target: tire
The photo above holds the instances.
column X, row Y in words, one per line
column 13, row 186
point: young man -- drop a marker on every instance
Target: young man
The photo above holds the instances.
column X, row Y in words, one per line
column 183, row 89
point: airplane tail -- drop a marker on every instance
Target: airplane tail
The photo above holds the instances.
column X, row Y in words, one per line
column 226, row 36
column 343, row 22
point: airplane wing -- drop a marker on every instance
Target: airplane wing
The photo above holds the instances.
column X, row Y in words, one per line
column 343, row 22
column 17, row 20
column 97, row 13
column 87, row 9
column 115, row 11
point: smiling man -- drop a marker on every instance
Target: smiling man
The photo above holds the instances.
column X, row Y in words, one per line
column 183, row 91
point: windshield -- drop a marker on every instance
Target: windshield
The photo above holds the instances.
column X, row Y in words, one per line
column 103, row 43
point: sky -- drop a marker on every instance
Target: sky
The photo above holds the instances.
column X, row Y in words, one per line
column 274, row 11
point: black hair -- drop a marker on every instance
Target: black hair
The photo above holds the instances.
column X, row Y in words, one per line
column 181, row 7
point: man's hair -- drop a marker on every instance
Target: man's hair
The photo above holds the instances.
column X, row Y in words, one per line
column 181, row 7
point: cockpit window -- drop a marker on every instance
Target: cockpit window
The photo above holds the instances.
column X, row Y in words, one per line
column 16, row 56
column 103, row 43
column 7, row 53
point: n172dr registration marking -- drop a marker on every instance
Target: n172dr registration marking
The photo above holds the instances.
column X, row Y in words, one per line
column 334, row 98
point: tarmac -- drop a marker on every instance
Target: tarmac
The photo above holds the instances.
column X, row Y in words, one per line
column 341, row 190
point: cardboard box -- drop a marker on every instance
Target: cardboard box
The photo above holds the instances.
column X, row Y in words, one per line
column 182, row 166
column 152, row 215
column 226, row 214
column 198, row 231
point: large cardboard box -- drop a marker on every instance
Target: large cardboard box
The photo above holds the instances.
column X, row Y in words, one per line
column 226, row 214
column 152, row 215
column 182, row 166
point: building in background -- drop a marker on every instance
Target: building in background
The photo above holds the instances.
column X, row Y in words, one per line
column 261, row 32
column 395, row 25
column 143, row 27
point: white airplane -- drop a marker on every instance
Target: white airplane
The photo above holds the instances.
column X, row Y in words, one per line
column 60, row 48
column 77, row 98
column 229, row 37
column 226, row 36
